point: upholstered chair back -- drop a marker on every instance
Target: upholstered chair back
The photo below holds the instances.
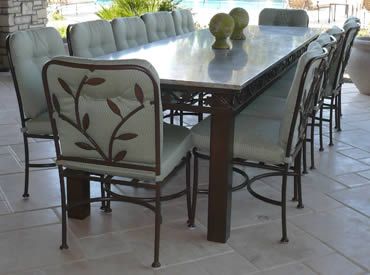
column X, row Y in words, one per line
column 106, row 112
column 351, row 28
column 159, row 25
column 91, row 39
column 300, row 100
column 283, row 17
column 28, row 51
column 183, row 20
column 129, row 32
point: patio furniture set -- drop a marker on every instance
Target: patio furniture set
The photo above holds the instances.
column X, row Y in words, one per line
column 103, row 106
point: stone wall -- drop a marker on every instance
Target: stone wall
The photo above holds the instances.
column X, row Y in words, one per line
column 19, row 15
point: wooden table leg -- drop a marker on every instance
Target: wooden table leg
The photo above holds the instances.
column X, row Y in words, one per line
column 78, row 190
column 220, row 176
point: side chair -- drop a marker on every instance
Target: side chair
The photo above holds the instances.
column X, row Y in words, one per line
column 183, row 20
column 28, row 51
column 159, row 25
column 272, row 144
column 283, row 17
column 106, row 118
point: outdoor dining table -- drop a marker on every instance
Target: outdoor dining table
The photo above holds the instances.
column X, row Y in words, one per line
column 194, row 77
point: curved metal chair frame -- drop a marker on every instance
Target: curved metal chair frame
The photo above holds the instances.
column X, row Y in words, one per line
column 26, row 136
column 300, row 114
column 336, row 98
column 69, row 42
column 107, row 180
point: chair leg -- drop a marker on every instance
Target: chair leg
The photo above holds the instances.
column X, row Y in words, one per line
column 304, row 157
column 331, row 122
column 107, row 208
column 321, row 142
column 102, row 207
column 298, row 179
column 284, row 238
column 312, row 141
column 181, row 118
column 339, row 110
column 27, row 167
column 188, row 190
column 195, row 191
column 157, row 233
column 64, row 209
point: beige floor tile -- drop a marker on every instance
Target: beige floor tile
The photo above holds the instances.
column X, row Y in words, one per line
column 352, row 180
column 356, row 138
column 292, row 269
column 44, row 189
column 37, row 150
column 261, row 245
column 365, row 174
column 229, row 263
column 28, row 272
column 247, row 210
column 124, row 216
column 17, row 249
column 366, row 161
column 178, row 244
column 4, row 208
column 355, row 153
column 356, row 198
column 333, row 264
column 4, row 150
column 337, row 164
column 343, row 229
column 103, row 245
column 120, row 264
column 9, row 165
column 17, row 221
column 10, row 134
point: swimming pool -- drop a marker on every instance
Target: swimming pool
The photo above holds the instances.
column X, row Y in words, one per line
column 223, row 4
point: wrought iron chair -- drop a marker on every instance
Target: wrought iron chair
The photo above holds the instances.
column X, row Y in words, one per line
column 90, row 39
column 159, row 25
column 28, row 51
column 271, row 103
column 335, row 79
column 283, row 17
column 183, row 20
column 272, row 144
column 101, row 113
column 129, row 32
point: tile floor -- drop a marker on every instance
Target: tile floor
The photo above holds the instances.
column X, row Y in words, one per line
column 330, row 236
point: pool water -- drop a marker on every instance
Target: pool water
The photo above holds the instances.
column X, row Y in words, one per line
column 224, row 4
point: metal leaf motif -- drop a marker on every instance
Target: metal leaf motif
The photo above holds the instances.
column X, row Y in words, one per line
column 56, row 104
column 120, row 156
column 113, row 106
column 127, row 136
column 65, row 86
column 85, row 121
column 84, row 146
column 139, row 93
column 95, row 81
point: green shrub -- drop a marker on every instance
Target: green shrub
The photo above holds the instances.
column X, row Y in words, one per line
column 129, row 8
column 62, row 30
column 57, row 16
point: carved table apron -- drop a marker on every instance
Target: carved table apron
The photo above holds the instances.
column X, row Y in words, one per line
column 228, row 80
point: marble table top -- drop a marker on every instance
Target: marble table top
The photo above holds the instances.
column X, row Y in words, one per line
column 188, row 60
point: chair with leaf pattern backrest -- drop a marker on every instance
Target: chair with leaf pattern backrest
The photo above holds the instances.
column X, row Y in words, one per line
column 107, row 121
column 28, row 51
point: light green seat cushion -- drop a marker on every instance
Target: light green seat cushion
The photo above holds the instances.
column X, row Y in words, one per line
column 39, row 125
column 255, row 138
column 176, row 143
column 183, row 20
column 283, row 17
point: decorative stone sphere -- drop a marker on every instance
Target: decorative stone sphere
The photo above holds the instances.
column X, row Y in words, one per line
column 241, row 19
column 221, row 26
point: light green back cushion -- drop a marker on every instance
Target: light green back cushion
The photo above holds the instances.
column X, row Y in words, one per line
column 283, row 17
column 183, row 20
column 92, row 39
column 107, row 98
column 159, row 25
column 129, row 32
column 30, row 50
column 313, row 51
